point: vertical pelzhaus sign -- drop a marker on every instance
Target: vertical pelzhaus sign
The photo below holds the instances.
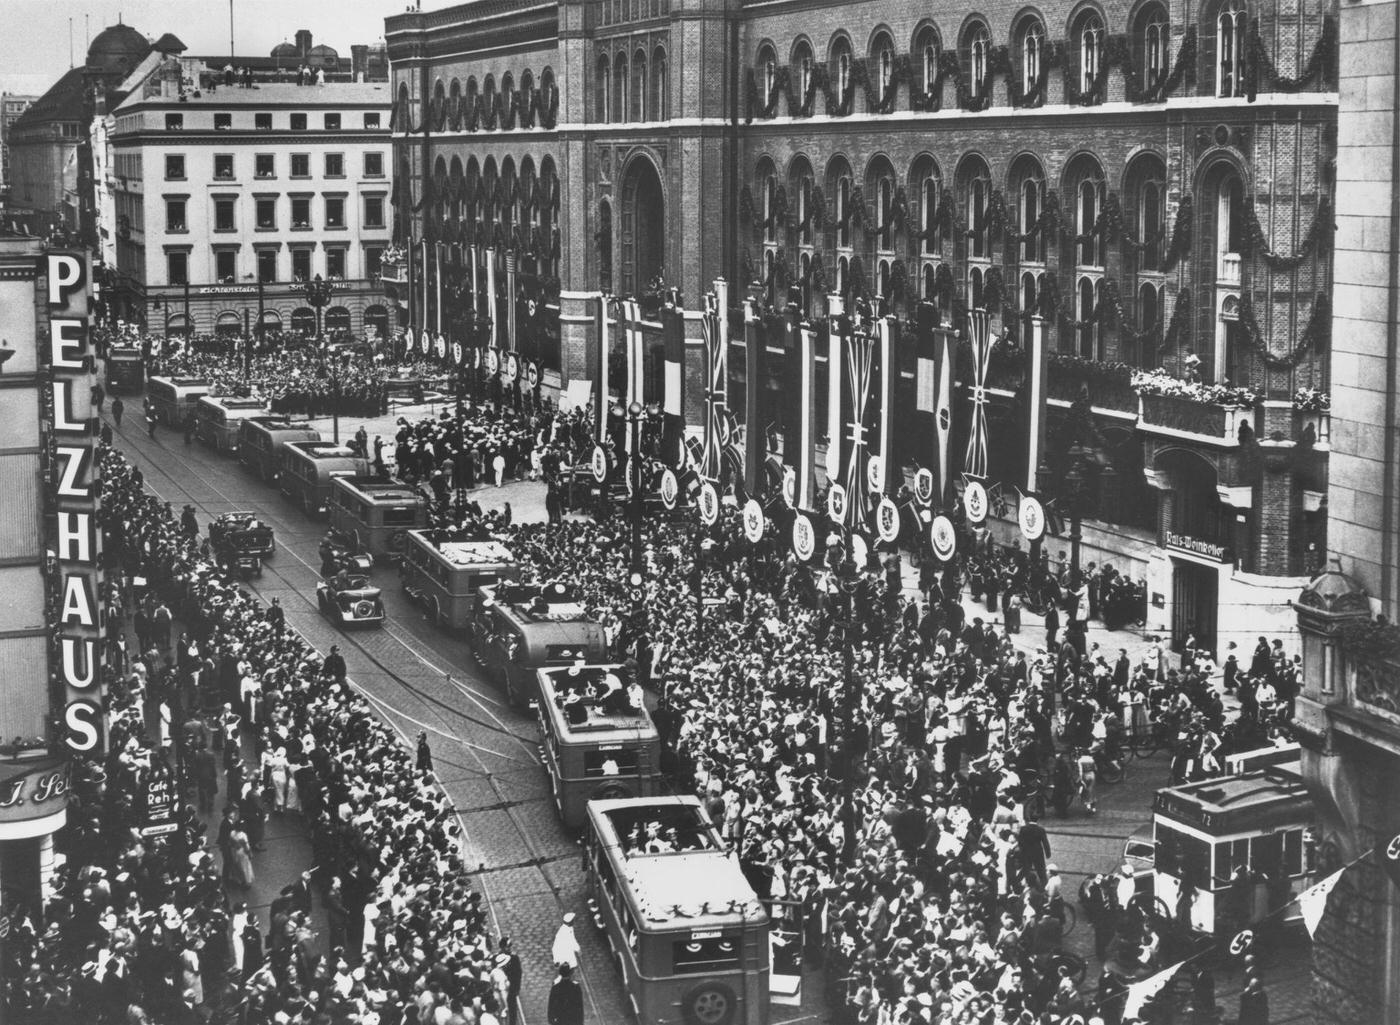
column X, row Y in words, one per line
column 73, row 493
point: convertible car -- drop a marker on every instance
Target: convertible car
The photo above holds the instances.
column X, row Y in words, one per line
column 243, row 532
column 350, row 598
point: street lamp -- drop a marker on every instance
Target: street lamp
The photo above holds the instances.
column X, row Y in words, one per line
column 636, row 576
column 318, row 295
column 248, row 342
column 331, row 368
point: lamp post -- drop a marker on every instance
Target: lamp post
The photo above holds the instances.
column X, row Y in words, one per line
column 318, row 295
column 331, row 368
column 636, row 576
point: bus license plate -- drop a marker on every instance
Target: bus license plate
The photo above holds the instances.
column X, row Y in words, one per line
column 705, row 934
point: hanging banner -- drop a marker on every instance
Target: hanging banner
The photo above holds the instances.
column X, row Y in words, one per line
column 714, row 344
column 532, row 374
column 979, row 328
column 943, row 537
column 836, row 503
column 709, row 504
column 887, row 520
column 1312, row 902
column 459, row 353
column 804, row 538
column 512, row 368
column 753, row 521
column 599, row 463
column 975, row 501
column 860, row 551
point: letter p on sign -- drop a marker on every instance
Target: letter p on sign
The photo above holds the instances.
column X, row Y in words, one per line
column 65, row 273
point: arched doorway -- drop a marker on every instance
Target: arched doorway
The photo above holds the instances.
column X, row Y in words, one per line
column 337, row 319
column 179, row 324
column 377, row 320
column 271, row 320
column 304, row 320
column 1197, row 537
column 643, row 227
column 229, row 324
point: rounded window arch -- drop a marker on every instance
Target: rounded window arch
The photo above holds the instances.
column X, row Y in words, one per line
column 975, row 56
column 1087, row 38
column 839, row 67
column 1026, row 188
column 639, row 86
column 925, row 193
column 766, row 73
column 1150, row 32
column 603, row 238
column 454, row 189
column 527, row 91
column 974, row 193
column 1224, row 39
column 404, row 106
column 619, row 98
column 489, row 100
column 927, row 46
column 439, row 105
column 660, row 86
column 880, row 185
column 506, row 211
column 643, row 225
column 489, row 177
column 839, row 185
column 507, row 99
column 471, row 186
column 881, row 68
column 803, row 79
column 472, row 102
column 801, row 197
column 602, row 85
column 765, row 191
column 1084, row 250
column 1145, row 211
column 454, row 105
column 1028, row 41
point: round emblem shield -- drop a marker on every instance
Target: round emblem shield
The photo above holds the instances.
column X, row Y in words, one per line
column 875, row 474
column 943, row 538
column 804, row 538
column 441, row 347
column 753, row 520
column 458, row 352
column 836, row 503
column 512, row 367
column 425, row 343
column 599, row 463
column 532, row 374
column 860, row 551
column 670, row 487
column 1244, row 939
column 923, row 486
column 493, row 361
column 790, row 487
column 709, row 504
column 1031, row 515
column 887, row 520
column 975, row 501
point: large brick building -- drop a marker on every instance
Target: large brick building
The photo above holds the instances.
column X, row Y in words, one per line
column 1156, row 178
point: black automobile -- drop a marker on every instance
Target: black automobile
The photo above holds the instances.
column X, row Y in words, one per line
column 242, row 531
column 348, row 598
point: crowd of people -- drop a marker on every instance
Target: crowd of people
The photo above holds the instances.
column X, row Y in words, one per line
column 145, row 929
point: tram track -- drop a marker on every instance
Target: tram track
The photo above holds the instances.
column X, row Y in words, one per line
column 495, row 853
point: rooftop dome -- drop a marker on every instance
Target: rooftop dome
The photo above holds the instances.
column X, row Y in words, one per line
column 116, row 43
column 322, row 50
column 1334, row 591
column 285, row 50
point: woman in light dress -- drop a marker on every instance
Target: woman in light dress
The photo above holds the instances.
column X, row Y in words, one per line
column 275, row 764
column 242, row 856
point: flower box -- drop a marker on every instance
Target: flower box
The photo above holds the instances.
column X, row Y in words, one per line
column 1180, row 416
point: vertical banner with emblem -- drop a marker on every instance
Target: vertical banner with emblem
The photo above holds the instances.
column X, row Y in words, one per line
column 884, row 406
column 423, row 277
column 835, row 321
column 492, row 314
column 979, row 329
column 755, row 391
column 673, row 399
column 409, row 258
column 1035, row 400
column 799, row 430
column 716, row 353
column 858, row 376
column 601, row 370
column 437, row 282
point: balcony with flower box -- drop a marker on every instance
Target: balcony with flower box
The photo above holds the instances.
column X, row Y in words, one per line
column 1208, row 414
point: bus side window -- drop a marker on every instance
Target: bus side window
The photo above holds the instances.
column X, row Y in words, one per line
column 1293, row 853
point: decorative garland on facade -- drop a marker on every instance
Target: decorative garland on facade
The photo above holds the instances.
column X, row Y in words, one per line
column 1316, row 335
column 1321, row 65
column 1317, row 238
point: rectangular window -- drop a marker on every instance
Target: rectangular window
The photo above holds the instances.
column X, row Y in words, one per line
column 301, row 212
column 223, row 122
column 267, row 265
column 267, row 214
column 298, row 122
column 177, row 268
column 372, row 120
column 703, row 957
column 335, row 263
column 374, row 165
column 374, row 212
column 335, row 165
column 174, row 167
column 263, row 166
column 223, row 166
column 262, row 122
column 301, row 264
column 175, row 215
column 225, row 265
column 174, row 122
column 332, row 122
column 301, row 165
column 335, row 212
column 374, row 256
column 223, row 215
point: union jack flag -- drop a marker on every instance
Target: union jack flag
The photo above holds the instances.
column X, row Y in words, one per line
column 860, row 371
column 716, row 344
column 980, row 334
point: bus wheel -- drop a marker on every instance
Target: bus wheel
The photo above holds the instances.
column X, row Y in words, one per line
column 710, row 1004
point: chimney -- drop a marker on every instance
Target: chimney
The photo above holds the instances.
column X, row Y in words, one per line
column 303, row 38
column 359, row 62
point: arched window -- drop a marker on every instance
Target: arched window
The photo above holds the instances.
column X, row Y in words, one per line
column 973, row 187
column 1088, row 36
column 1087, row 293
column 804, row 277
column 604, row 239
column 882, row 66
column 843, row 274
column 1032, row 50
column 639, row 86
column 928, row 288
column 1144, row 208
column 929, row 190
column 619, row 102
column 1230, row 48
column 1150, row 41
column 838, row 191
column 454, row 105
column 879, row 190
column 768, row 182
column 488, row 100
column 1088, row 205
column 976, row 196
column 660, row 86
column 1027, row 185
column 802, row 68
column 977, row 49
column 507, row 98
column 841, row 71
column 600, row 89
column 767, row 73
column 1149, row 316
column 926, row 52
column 470, row 103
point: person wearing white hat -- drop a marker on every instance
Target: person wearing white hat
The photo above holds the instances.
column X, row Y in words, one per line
column 566, row 949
